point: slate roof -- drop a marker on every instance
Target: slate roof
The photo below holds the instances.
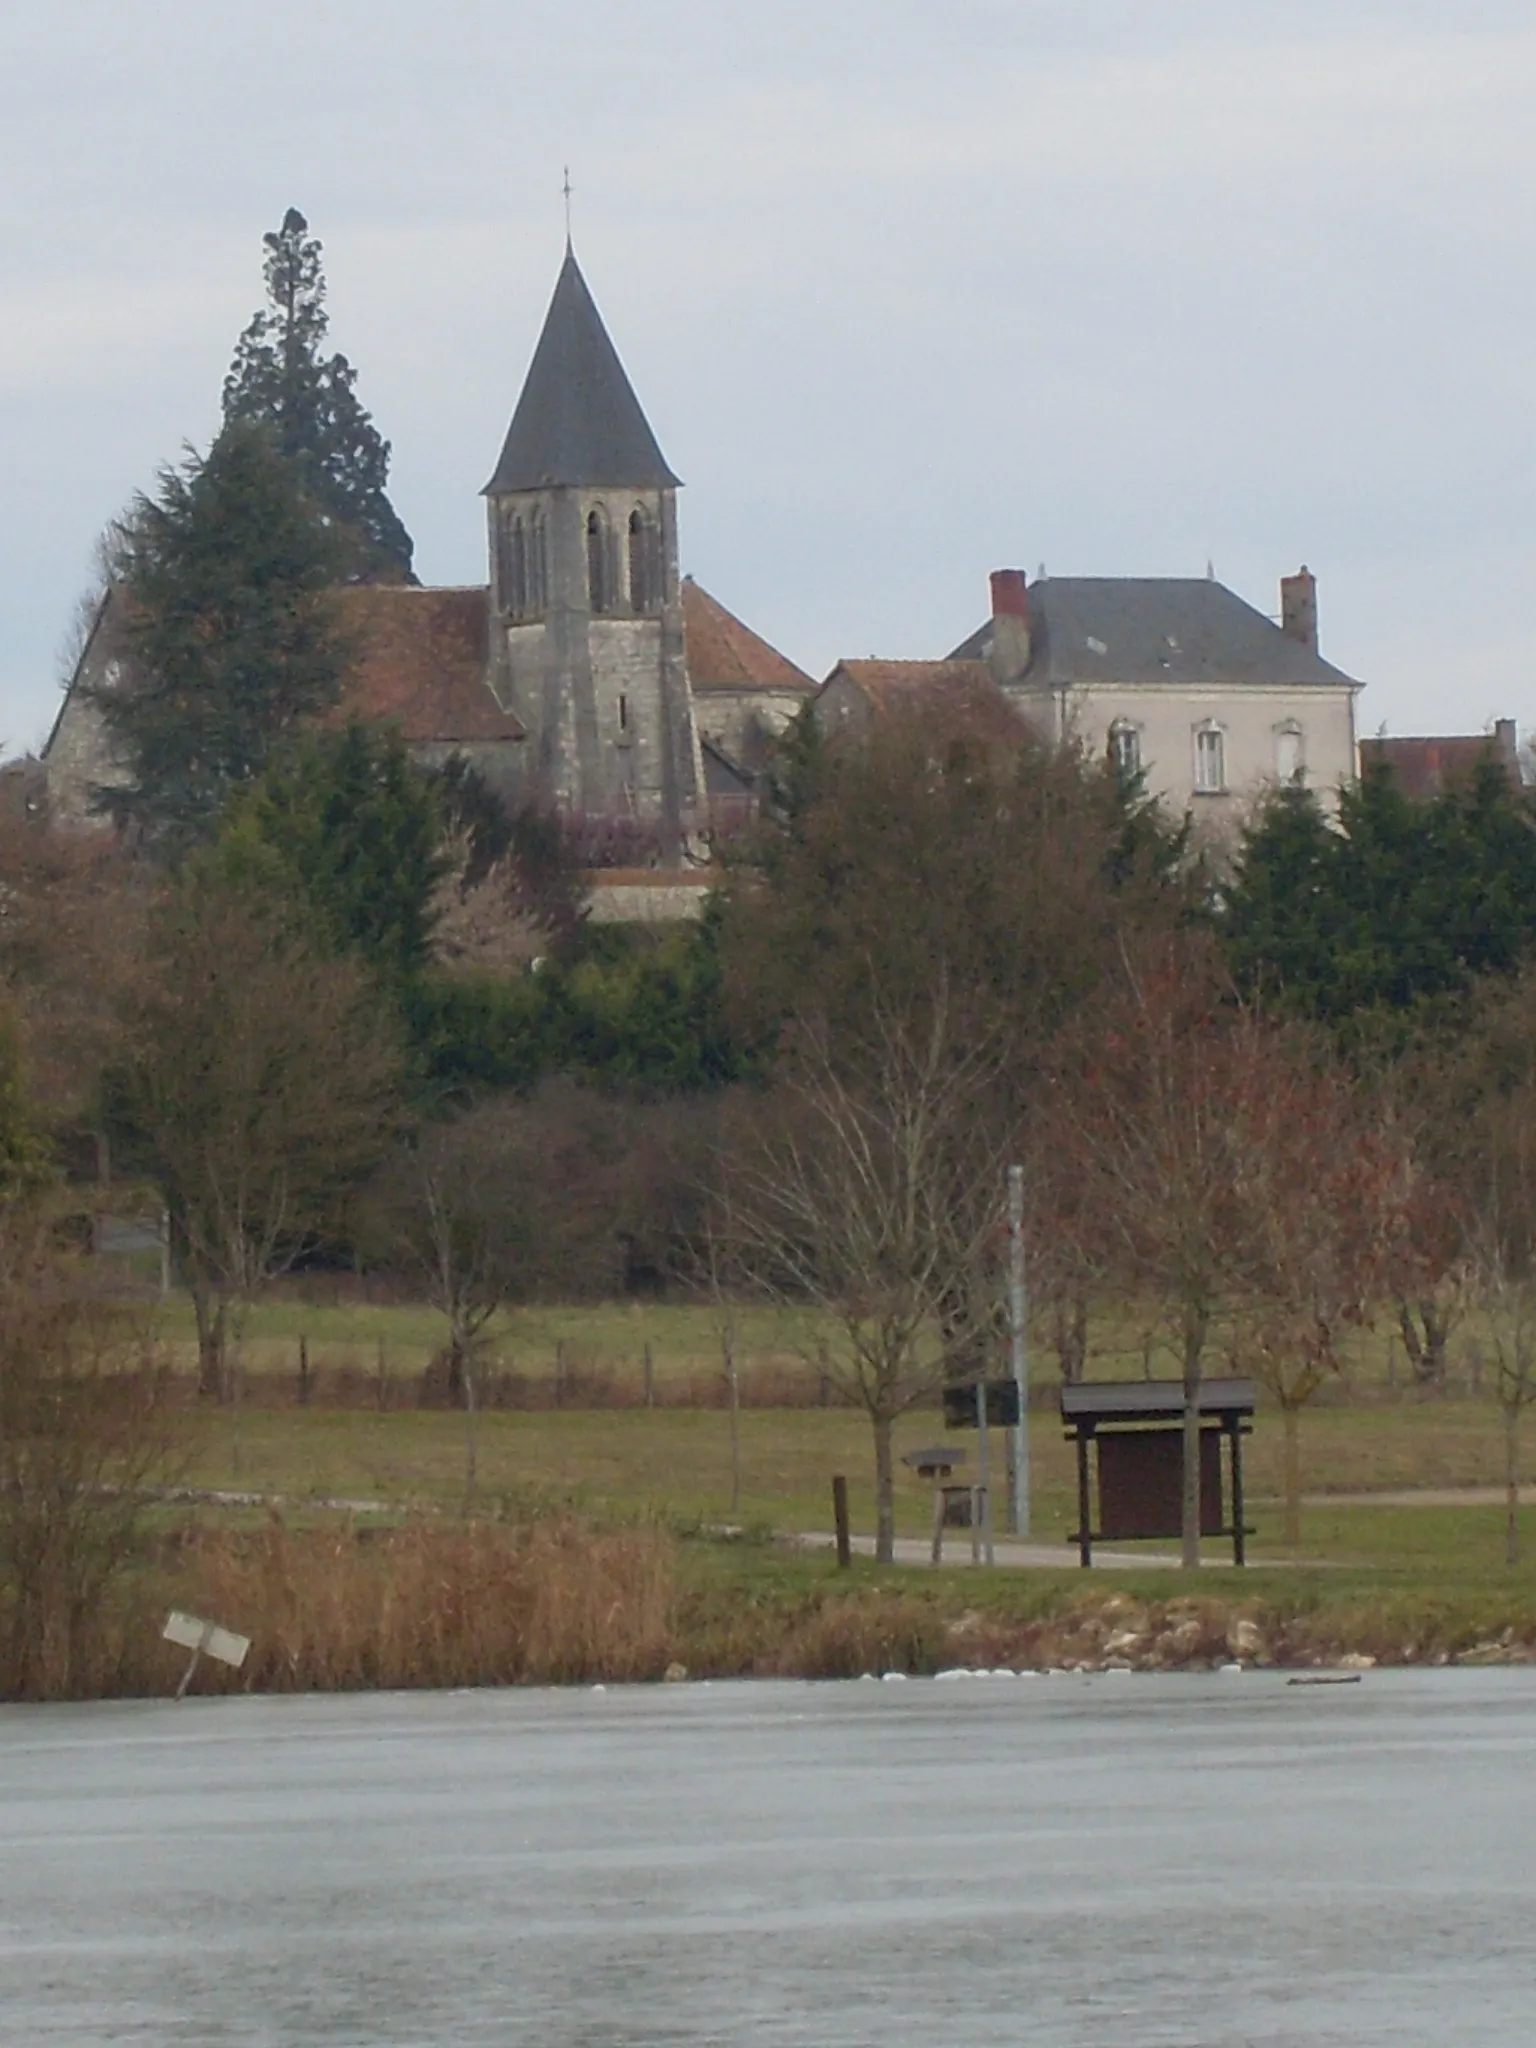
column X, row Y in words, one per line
column 724, row 654
column 578, row 420
column 722, row 775
column 422, row 663
column 1424, row 768
column 1163, row 630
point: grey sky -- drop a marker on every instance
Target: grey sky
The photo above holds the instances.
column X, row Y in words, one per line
column 909, row 292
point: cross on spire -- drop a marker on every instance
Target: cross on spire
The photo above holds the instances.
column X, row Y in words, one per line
column 566, row 189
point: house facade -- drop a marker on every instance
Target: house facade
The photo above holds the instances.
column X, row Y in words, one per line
column 1182, row 681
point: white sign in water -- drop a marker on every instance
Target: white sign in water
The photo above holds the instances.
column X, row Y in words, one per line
column 206, row 1638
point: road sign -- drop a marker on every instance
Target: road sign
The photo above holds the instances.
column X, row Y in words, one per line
column 203, row 1639
column 960, row 1405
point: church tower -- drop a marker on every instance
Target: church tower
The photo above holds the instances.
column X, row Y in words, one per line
column 586, row 612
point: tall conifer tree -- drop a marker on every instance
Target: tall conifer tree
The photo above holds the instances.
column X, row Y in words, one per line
column 228, row 633
column 281, row 378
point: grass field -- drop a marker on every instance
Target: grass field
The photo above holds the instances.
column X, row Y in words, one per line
column 675, row 1464
column 608, row 1342
column 607, row 1542
column 595, row 1352
column 605, row 1453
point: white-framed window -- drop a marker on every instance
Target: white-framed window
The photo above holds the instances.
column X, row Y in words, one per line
column 1210, row 760
column 1290, row 753
column 1125, row 747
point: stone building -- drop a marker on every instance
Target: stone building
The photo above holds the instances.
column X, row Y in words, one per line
column 585, row 672
column 1180, row 679
column 1177, row 677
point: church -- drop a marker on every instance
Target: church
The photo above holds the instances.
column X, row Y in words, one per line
column 585, row 672
column 588, row 674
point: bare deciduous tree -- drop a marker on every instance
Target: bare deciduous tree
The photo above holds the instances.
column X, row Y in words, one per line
column 1491, row 1092
column 83, row 1428
column 1505, row 1294
column 262, row 1083
column 1327, row 1189
column 869, row 1189
column 508, row 1199
column 72, row 915
column 1206, row 1130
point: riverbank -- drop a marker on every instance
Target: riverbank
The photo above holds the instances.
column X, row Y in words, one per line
column 336, row 1605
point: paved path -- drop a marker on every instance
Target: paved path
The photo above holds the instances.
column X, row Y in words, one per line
column 1005, row 1551
column 1416, row 1497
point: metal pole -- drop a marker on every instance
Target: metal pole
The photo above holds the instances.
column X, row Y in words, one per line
column 1018, row 1493
column 983, row 1474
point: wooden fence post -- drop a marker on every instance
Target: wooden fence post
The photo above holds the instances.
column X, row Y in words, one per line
column 840, row 1521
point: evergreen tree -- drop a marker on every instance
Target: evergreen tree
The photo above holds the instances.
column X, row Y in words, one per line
column 1403, row 903
column 229, row 636
column 281, row 378
column 345, row 825
column 1280, row 918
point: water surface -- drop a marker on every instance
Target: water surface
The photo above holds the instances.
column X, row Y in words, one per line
column 1123, row 1861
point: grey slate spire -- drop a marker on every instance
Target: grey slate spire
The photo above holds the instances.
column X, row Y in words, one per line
column 578, row 421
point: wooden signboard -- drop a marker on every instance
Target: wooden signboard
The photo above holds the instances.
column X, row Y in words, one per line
column 1141, row 1484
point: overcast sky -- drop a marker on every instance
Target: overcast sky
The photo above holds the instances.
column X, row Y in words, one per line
column 909, row 291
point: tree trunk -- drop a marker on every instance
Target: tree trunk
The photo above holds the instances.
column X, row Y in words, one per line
column 212, row 1316
column 1291, row 1529
column 1425, row 1347
column 733, row 1395
column 1194, row 1345
column 458, row 1367
column 1511, row 1483
column 1071, row 1322
column 471, row 1436
column 885, row 1492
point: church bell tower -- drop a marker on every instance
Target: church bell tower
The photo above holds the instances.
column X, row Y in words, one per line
column 586, row 615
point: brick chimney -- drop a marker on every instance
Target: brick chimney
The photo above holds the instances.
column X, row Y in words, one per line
column 1298, row 607
column 1010, row 625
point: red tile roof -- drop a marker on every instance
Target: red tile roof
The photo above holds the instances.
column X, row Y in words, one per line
column 1427, row 767
column 964, row 689
column 723, row 654
column 422, row 662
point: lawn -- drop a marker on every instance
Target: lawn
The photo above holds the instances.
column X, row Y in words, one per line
column 365, row 1438
column 675, row 1464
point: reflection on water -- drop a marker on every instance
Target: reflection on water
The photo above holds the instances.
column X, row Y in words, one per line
column 1123, row 1861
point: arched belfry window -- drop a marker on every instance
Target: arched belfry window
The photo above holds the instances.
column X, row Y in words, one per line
column 599, row 584
column 517, row 565
column 644, row 565
column 501, row 535
column 538, row 566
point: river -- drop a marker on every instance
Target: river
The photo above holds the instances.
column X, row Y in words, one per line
column 1118, row 1860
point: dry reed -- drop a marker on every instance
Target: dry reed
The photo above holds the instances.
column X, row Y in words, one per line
column 427, row 1605
column 341, row 1608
